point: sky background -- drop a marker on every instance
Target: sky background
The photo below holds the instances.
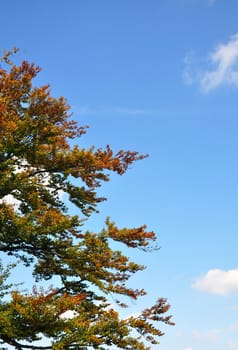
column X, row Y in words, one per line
column 159, row 77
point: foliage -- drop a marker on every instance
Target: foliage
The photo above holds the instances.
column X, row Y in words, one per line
column 37, row 166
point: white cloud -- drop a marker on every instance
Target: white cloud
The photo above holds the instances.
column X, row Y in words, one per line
column 218, row 281
column 225, row 59
column 188, row 349
column 223, row 70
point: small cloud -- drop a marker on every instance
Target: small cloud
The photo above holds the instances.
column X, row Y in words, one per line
column 223, row 70
column 225, row 60
column 188, row 349
column 218, row 281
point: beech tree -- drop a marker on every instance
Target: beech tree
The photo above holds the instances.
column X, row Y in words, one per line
column 40, row 172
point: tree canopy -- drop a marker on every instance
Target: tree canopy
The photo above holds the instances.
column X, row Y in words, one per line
column 39, row 169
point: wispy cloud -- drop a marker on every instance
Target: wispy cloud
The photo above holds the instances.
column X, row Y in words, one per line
column 114, row 110
column 231, row 344
column 234, row 327
column 218, row 281
column 223, row 67
column 214, row 338
column 188, row 71
column 211, row 335
column 211, row 2
column 225, row 59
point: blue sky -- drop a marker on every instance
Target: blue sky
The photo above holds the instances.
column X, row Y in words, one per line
column 160, row 77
